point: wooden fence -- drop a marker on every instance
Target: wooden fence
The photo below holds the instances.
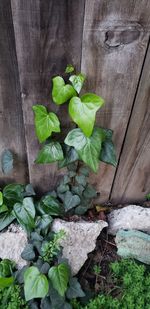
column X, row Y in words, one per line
column 109, row 41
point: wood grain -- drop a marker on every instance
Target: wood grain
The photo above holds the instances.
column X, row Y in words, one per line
column 132, row 181
column 11, row 121
column 115, row 39
column 48, row 37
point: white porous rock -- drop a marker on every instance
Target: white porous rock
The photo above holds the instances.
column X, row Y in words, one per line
column 12, row 243
column 130, row 217
column 80, row 239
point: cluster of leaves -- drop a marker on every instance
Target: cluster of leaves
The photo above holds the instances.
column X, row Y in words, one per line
column 86, row 143
column 131, row 288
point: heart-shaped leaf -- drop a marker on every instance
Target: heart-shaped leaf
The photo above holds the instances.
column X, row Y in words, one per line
column 51, row 206
column 13, row 193
column 74, row 289
column 59, row 276
column 25, row 213
column 69, row 68
column 7, row 161
column 36, row 284
column 88, row 148
column 5, row 219
column 77, row 81
column 61, row 93
column 83, row 110
column 71, row 201
column 28, row 253
column 108, row 154
column 70, row 156
column 50, row 153
column 45, row 123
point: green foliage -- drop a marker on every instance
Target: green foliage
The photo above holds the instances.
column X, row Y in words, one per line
column 50, row 153
column 77, row 81
column 7, row 161
column 69, row 68
column 59, row 277
column 35, row 284
column 10, row 298
column 61, row 92
column 148, row 196
column 51, row 248
column 6, row 268
column 25, row 213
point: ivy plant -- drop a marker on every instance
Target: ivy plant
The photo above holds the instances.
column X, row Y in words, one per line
column 85, row 143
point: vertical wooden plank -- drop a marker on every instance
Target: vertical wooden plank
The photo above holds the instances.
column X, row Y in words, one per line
column 11, row 120
column 115, row 39
column 48, row 36
column 132, row 181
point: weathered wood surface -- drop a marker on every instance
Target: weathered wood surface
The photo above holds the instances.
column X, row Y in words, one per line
column 132, row 180
column 48, row 37
column 115, row 39
column 11, row 122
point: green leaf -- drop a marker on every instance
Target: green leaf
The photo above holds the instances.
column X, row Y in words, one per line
column 83, row 110
column 59, row 276
column 148, row 196
column 61, row 93
column 77, row 81
column 89, row 192
column 6, row 282
column 1, row 198
column 71, row 201
column 45, row 123
column 6, row 267
column 77, row 190
column 51, row 206
column 28, row 253
column 36, row 284
column 46, row 304
column 25, row 213
column 50, row 153
column 108, row 154
column 81, row 180
column 74, row 289
column 5, row 219
column 7, row 162
column 62, row 188
column 88, row 148
column 70, row 156
column 29, row 191
column 69, row 68
column 13, row 193
column 44, row 222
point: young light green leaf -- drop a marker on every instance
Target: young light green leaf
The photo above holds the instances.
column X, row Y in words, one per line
column 108, row 154
column 83, row 110
column 71, row 201
column 45, row 123
column 69, row 68
column 36, row 284
column 25, row 213
column 6, row 282
column 7, row 161
column 77, row 81
column 50, row 153
column 61, row 93
column 59, row 276
column 5, row 219
column 74, row 289
column 88, row 148
column 1, row 198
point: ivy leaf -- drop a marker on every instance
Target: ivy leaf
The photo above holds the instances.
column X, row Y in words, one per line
column 88, row 148
column 61, row 93
column 81, row 180
column 25, row 213
column 6, row 282
column 70, row 156
column 29, row 191
column 59, row 276
column 7, row 162
column 13, row 193
column 83, row 110
column 51, row 206
column 50, row 153
column 45, row 123
column 74, row 289
column 5, row 219
column 35, row 284
column 28, row 253
column 69, row 68
column 108, row 154
column 77, row 81
column 1, row 198
column 71, row 201
column 89, row 192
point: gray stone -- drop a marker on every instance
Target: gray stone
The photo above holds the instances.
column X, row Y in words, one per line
column 131, row 217
column 12, row 243
column 80, row 239
column 133, row 244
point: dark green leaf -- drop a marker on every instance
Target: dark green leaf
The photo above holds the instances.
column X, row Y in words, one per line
column 6, row 282
column 50, row 153
column 148, row 196
column 20, row 274
column 80, row 210
column 61, row 93
column 13, row 193
column 108, row 154
column 3, row 208
column 77, row 190
column 6, row 267
column 36, row 284
column 77, row 81
column 51, row 206
column 70, row 156
column 25, row 213
column 90, row 192
column 62, row 188
column 56, row 300
column 81, row 180
column 5, row 219
column 74, row 289
column 33, row 304
column 71, row 201
column 7, row 162
column 83, row 110
column 28, row 253
column 69, row 68
column 45, row 123
column 46, row 303
column 43, row 222
column 45, row 268
column 87, row 148
column 59, row 277
column 36, row 236
column 29, row 191
column 84, row 171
